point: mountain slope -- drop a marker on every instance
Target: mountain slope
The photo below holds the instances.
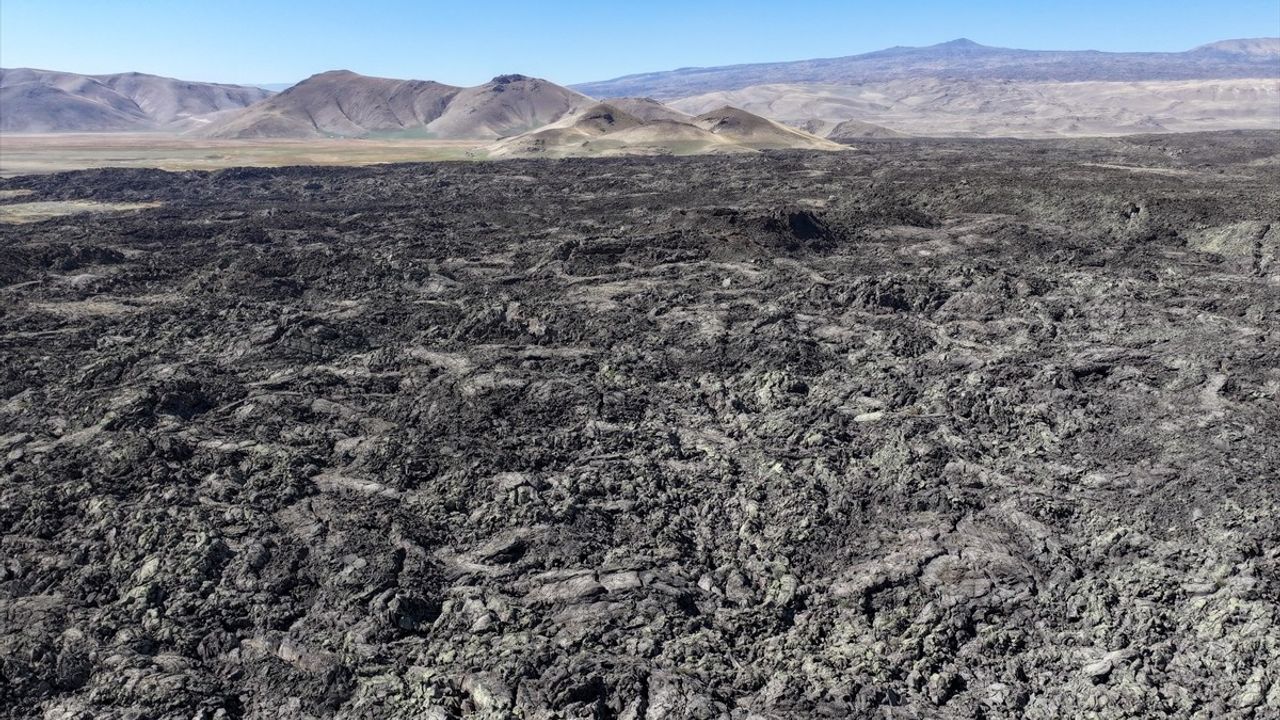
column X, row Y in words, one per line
column 650, row 109
column 755, row 132
column 930, row 106
column 50, row 101
column 1252, row 47
column 44, row 108
column 960, row 59
column 843, row 130
column 344, row 104
column 609, row 129
column 338, row 103
column 505, row 106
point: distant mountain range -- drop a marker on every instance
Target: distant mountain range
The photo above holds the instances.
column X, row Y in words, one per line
column 961, row 59
column 50, row 101
column 955, row 88
column 1003, row 108
column 521, row 116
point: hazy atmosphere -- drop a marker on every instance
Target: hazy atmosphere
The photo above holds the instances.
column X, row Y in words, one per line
column 462, row 43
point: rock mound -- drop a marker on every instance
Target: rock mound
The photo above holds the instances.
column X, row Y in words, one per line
column 608, row 129
column 755, row 132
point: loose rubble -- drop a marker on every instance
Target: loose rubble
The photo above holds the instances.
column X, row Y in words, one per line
column 931, row 429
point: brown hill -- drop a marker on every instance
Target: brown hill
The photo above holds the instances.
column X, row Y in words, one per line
column 755, row 132
column 344, row 104
column 847, row 130
column 32, row 107
column 601, row 129
column 339, row 103
column 505, row 106
column 49, row 101
column 650, row 109
column 607, row 129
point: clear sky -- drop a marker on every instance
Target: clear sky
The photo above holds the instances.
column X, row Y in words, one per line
column 466, row 42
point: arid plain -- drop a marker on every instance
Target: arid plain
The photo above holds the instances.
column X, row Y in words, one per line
column 57, row 152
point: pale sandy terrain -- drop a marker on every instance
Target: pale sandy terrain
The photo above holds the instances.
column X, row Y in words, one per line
column 23, row 154
column 19, row 213
column 1015, row 109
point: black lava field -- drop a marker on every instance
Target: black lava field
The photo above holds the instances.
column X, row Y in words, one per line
column 926, row 429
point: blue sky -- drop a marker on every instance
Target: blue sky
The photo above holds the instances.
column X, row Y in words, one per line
column 466, row 42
